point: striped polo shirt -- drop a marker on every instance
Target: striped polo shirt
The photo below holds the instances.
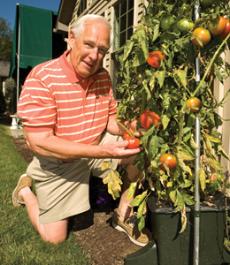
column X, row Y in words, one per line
column 76, row 109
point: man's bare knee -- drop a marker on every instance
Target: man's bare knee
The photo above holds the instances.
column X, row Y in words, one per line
column 54, row 239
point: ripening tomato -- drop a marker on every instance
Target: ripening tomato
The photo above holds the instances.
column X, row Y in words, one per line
column 168, row 160
column 193, row 104
column 226, row 30
column 201, row 36
column 149, row 118
column 217, row 26
column 213, row 178
column 154, row 58
column 185, row 25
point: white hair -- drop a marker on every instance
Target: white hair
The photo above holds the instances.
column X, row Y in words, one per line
column 78, row 26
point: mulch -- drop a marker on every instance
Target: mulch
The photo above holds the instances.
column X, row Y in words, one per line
column 94, row 233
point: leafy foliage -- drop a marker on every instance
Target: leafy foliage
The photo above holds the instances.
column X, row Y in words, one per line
column 5, row 40
column 165, row 91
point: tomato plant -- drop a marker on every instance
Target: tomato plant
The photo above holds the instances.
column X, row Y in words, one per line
column 149, row 118
column 168, row 160
column 171, row 89
column 193, row 104
column 201, row 36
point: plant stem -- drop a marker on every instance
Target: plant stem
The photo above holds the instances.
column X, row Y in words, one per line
column 210, row 64
column 125, row 128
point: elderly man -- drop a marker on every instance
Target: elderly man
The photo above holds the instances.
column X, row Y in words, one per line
column 69, row 118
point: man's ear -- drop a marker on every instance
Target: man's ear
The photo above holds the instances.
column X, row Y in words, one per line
column 71, row 39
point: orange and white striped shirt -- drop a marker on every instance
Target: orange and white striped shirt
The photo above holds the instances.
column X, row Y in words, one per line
column 76, row 109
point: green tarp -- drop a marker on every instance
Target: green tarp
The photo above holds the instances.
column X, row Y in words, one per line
column 33, row 34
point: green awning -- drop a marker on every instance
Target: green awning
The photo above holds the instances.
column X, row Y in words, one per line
column 32, row 36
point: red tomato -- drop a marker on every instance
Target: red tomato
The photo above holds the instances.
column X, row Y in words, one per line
column 217, row 26
column 200, row 37
column 154, row 58
column 226, row 30
column 133, row 143
column 168, row 160
column 149, row 118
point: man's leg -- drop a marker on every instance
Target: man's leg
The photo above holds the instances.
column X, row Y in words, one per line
column 124, row 218
column 124, row 208
column 55, row 232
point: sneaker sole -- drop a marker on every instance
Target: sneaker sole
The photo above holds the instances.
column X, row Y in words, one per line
column 119, row 228
column 15, row 201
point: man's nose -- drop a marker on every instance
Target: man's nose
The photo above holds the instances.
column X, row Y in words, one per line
column 94, row 53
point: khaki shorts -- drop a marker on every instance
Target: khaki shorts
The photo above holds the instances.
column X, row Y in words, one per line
column 62, row 187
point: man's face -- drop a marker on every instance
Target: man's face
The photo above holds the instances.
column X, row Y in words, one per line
column 89, row 49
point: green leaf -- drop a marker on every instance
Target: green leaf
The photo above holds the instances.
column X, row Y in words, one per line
column 202, row 177
column 185, row 167
column 184, row 155
column 148, row 93
column 154, row 146
column 160, row 75
column 127, row 49
column 141, row 223
column 165, row 121
column 138, row 199
column 173, row 195
column 181, row 75
column 131, row 190
column 213, row 139
column 141, row 209
column 179, row 201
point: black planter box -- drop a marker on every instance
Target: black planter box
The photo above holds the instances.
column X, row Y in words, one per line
column 175, row 248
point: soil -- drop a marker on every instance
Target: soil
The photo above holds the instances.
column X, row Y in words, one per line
column 102, row 244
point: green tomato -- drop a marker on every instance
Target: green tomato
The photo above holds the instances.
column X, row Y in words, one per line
column 166, row 22
column 185, row 25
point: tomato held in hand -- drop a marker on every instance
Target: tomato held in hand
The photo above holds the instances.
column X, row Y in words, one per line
column 201, row 36
column 217, row 26
column 149, row 118
column 193, row 104
column 168, row 160
column 133, row 142
column 154, row 58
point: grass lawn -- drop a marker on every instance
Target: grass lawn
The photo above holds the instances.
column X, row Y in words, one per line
column 19, row 243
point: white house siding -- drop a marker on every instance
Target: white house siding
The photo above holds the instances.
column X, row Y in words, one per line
column 219, row 92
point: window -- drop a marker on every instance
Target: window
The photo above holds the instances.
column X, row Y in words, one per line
column 82, row 7
column 123, row 22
